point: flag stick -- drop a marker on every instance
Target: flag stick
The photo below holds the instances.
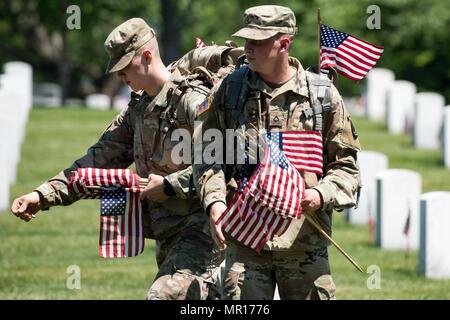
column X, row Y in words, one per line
column 319, row 228
column 318, row 39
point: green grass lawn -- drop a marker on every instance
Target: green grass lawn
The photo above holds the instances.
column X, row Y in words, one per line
column 35, row 256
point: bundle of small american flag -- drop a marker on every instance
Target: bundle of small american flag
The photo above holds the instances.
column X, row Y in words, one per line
column 121, row 220
column 269, row 196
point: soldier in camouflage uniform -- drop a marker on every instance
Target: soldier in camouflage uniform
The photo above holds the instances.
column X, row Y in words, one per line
column 278, row 98
column 186, row 255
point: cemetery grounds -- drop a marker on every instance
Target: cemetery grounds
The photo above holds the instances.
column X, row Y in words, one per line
column 38, row 258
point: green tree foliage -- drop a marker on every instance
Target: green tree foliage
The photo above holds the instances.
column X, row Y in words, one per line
column 413, row 32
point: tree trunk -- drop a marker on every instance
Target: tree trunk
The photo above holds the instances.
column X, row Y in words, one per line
column 170, row 38
column 63, row 69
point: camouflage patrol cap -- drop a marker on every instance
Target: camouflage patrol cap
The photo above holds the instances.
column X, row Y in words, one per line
column 124, row 40
column 263, row 22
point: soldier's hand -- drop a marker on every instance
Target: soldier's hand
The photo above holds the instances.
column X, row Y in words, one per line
column 154, row 191
column 215, row 212
column 311, row 201
column 26, row 206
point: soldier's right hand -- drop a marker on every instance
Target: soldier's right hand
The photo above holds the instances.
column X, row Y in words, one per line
column 26, row 206
column 215, row 212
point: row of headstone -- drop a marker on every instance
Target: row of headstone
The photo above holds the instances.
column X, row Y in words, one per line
column 404, row 218
column 408, row 220
column 405, row 110
column 103, row 102
column 48, row 95
column 16, row 91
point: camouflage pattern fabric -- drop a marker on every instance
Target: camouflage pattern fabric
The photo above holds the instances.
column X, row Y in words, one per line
column 141, row 133
column 284, row 108
column 300, row 273
column 187, row 266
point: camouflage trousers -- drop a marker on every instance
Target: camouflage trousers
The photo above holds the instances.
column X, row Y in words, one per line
column 188, row 267
column 300, row 273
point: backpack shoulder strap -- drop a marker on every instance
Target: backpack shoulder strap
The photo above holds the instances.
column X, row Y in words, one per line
column 320, row 94
column 237, row 90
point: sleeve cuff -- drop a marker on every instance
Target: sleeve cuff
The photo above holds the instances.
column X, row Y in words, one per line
column 326, row 192
column 177, row 188
column 214, row 197
column 44, row 191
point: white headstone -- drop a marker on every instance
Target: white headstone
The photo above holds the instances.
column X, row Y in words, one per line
column 446, row 138
column 47, row 95
column 371, row 163
column 428, row 114
column 397, row 226
column 74, row 102
column 98, row 101
column 25, row 72
column 354, row 106
column 434, row 252
column 378, row 82
column 13, row 84
column 11, row 131
column 400, row 106
column 4, row 178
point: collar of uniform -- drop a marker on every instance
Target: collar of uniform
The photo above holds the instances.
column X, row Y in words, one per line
column 297, row 84
column 160, row 99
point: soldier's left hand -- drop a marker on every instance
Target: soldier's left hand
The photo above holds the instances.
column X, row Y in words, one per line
column 311, row 201
column 154, row 191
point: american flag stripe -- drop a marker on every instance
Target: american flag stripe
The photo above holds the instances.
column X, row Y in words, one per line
column 254, row 233
column 304, row 150
column 199, row 43
column 274, row 193
column 239, row 213
column 352, row 57
column 121, row 235
column 343, row 63
column 133, row 227
column 355, row 61
column 110, row 225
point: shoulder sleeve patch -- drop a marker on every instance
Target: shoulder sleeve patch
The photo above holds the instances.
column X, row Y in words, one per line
column 204, row 106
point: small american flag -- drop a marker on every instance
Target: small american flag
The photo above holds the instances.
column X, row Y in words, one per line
column 351, row 56
column 199, row 43
column 269, row 196
column 121, row 220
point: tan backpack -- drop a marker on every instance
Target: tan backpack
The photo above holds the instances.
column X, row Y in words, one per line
column 210, row 64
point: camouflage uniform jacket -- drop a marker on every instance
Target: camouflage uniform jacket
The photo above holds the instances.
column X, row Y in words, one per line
column 282, row 108
column 141, row 133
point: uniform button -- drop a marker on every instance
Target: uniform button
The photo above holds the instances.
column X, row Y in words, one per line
column 165, row 129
